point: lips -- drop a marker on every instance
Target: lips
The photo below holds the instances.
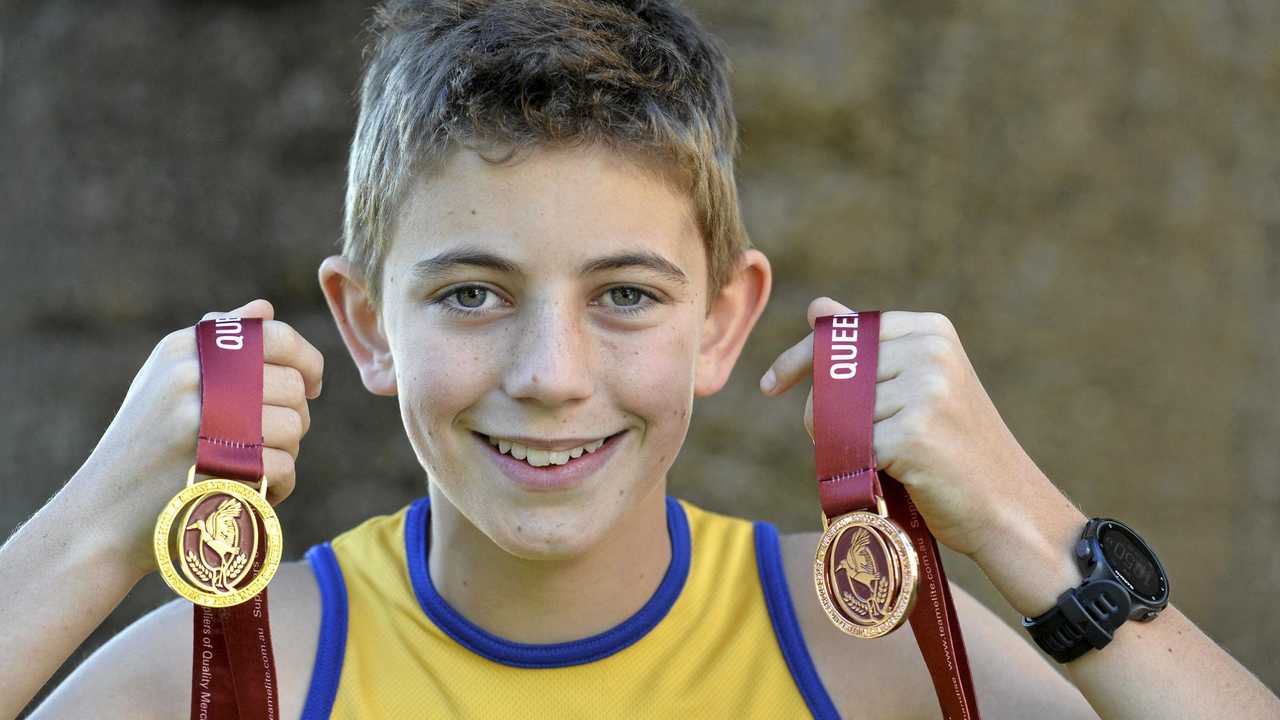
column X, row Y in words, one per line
column 551, row 476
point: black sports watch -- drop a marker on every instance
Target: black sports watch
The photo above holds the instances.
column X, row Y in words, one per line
column 1123, row 580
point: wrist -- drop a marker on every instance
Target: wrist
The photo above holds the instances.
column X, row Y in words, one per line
column 97, row 537
column 1033, row 563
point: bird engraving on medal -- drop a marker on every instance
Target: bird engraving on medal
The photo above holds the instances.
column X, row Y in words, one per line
column 859, row 566
column 220, row 531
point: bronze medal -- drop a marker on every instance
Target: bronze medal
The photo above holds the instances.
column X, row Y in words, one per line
column 875, row 550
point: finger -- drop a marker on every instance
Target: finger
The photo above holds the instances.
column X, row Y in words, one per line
column 282, row 345
column 278, row 466
column 283, row 385
column 900, row 323
column 796, row 363
column 791, row 365
column 256, row 308
column 824, row 306
column 891, row 397
column 282, row 428
column 899, row 355
column 808, row 417
column 893, row 323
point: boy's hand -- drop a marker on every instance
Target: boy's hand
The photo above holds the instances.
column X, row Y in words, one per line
column 142, row 459
column 936, row 430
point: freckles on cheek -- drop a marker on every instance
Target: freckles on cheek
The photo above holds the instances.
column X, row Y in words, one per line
column 437, row 385
column 656, row 375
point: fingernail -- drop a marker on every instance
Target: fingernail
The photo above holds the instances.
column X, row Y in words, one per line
column 768, row 381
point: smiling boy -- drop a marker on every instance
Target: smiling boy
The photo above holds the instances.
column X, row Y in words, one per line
column 544, row 263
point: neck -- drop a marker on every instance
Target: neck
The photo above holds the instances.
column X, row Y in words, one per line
column 559, row 600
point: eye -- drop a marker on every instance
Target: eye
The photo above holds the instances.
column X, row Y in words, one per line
column 625, row 296
column 468, row 300
column 628, row 299
column 471, row 297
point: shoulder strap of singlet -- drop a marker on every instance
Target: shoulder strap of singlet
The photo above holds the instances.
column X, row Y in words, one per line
column 332, row 646
column 782, row 613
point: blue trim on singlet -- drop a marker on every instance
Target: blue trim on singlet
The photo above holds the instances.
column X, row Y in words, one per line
column 785, row 625
column 333, row 633
column 545, row 655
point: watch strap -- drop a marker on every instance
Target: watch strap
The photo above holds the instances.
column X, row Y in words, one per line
column 1084, row 618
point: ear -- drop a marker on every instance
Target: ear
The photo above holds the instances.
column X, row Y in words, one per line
column 361, row 328
column 729, row 321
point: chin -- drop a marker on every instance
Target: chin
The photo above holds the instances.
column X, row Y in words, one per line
column 541, row 535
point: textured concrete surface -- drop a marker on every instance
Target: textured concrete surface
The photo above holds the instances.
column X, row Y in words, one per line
column 1091, row 191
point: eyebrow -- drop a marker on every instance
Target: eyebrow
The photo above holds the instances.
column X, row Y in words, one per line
column 439, row 265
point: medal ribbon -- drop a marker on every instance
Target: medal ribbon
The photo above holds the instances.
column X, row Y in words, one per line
column 845, row 351
column 233, row 673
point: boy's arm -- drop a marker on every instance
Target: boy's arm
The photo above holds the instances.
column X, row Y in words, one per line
column 63, row 571
column 1165, row 668
column 939, row 434
column 145, row 671
column 886, row 677
column 58, row 581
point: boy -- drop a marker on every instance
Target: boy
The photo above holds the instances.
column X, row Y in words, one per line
column 544, row 262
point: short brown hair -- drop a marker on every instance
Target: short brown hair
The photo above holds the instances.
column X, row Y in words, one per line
column 640, row 77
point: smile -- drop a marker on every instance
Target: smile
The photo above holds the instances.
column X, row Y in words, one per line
column 559, row 465
column 540, row 456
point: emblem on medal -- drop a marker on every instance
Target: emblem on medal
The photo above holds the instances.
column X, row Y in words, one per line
column 218, row 542
column 866, row 573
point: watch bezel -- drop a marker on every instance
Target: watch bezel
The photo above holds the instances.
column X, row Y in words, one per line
column 1096, row 564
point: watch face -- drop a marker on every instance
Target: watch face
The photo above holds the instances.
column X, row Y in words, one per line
column 1131, row 561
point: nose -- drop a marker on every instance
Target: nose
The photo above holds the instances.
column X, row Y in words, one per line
column 551, row 360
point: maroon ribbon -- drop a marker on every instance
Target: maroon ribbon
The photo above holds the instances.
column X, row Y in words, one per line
column 845, row 351
column 233, row 671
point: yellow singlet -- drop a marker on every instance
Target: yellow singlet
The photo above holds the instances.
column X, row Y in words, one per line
column 717, row 639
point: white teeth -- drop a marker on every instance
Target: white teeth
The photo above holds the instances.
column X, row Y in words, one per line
column 542, row 458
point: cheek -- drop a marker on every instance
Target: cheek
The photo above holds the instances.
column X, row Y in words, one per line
column 436, row 381
column 652, row 377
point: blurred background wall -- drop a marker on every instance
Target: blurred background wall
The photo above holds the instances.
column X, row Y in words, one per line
column 1090, row 190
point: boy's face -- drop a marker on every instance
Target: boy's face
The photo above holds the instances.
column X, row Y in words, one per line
column 554, row 302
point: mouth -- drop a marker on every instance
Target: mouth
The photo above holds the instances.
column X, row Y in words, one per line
column 541, row 468
column 542, row 454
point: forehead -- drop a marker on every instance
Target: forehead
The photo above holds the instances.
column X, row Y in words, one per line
column 547, row 205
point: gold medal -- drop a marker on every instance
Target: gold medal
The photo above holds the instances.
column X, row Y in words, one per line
column 211, row 535
column 866, row 573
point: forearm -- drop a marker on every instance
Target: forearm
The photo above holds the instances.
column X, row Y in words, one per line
column 1165, row 668
column 58, row 581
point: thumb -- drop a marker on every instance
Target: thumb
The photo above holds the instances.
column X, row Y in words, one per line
column 256, row 308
